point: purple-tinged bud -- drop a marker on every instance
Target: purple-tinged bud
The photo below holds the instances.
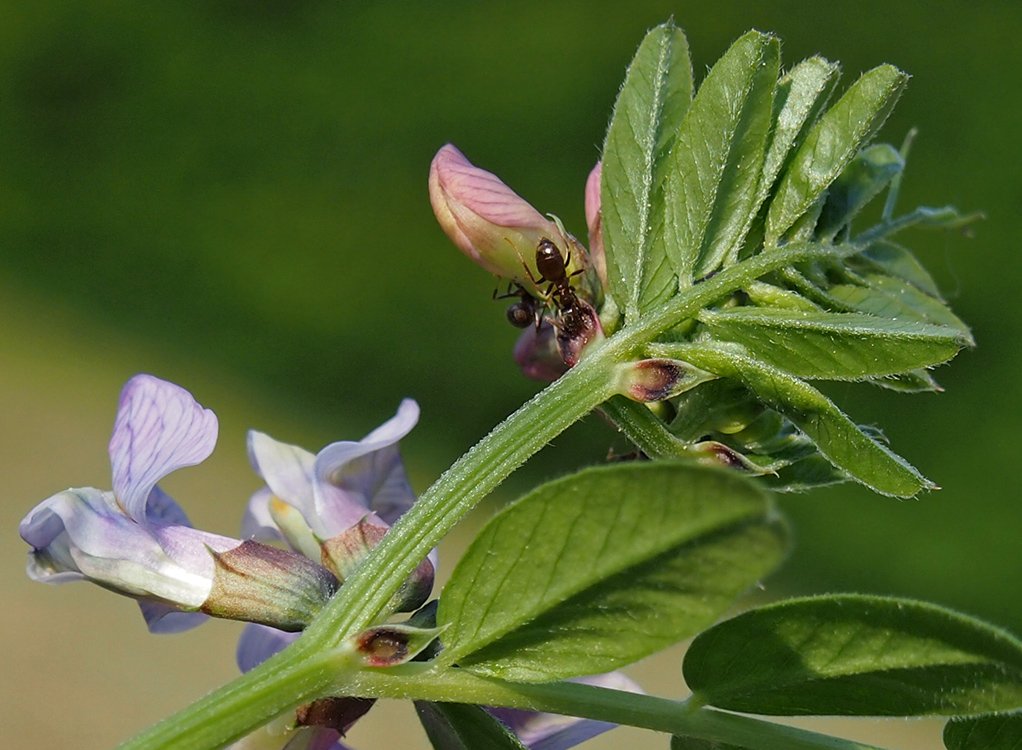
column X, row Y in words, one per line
column 344, row 552
column 537, row 355
column 337, row 713
column 658, row 379
column 390, row 645
column 269, row 586
column 594, row 221
column 577, row 326
column 487, row 220
column 713, row 453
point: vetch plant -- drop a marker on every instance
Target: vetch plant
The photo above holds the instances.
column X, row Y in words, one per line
column 732, row 260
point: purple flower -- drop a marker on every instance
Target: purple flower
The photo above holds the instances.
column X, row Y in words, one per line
column 543, row 731
column 136, row 540
column 335, row 505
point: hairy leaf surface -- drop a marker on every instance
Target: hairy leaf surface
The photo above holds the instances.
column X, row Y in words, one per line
column 839, row 346
column 831, row 144
column 837, row 437
column 718, row 159
column 649, row 109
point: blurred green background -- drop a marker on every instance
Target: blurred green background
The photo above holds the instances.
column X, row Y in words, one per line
column 232, row 195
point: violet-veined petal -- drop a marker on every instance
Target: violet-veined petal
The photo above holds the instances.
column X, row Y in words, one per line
column 163, row 510
column 159, row 428
column 84, row 533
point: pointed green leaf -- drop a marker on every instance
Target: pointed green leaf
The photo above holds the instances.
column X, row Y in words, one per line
column 804, row 475
column 599, row 569
column 994, row 732
column 456, row 726
column 889, row 297
column 870, row 172
column 916, row 381
column 831, row 144
column 854, row 655
column 649, row 109
column 839, row 439
column 718, row 158
column 802, row 93
column 894, row 260
column 836, row 346
column 768, row 295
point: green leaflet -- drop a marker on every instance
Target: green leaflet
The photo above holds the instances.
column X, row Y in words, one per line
column 893, row 260
column 456, row 726
column 869, row 173
column 839, row 346
column 650, row 107
column 598, row 569
column 716, row 164
column 855, row 655
column 836, row 436
column 802, row 94
column 995, row 732
column 831, row 144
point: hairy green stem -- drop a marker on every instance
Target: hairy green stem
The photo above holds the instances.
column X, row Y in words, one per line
column 283, row 681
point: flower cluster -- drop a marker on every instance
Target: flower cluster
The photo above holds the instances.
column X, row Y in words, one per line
column 328, row 509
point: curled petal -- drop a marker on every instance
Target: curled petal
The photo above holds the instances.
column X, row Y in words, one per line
column 159, row 428
column 595, row 223
column 542, row 731
column 84, row 533
column 487, row 220
column 354, row 479
column 289, row 471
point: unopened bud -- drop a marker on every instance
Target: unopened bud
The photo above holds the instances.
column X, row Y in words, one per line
column 713, row 453
column 267, row 585
column 344, row 552
column 658, row 379
column 390, row 645
column 336, row 712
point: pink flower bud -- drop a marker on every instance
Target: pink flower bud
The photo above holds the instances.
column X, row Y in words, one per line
column 594, row 221
column 487, row 220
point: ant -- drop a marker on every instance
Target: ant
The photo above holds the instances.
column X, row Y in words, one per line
column 572, row 319
column 525, row 311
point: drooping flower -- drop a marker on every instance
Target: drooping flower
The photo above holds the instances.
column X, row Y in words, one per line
column 135, row 540
column 336, row 505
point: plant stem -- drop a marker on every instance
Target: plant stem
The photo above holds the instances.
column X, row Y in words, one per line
column 250, row 700
column 587, row 701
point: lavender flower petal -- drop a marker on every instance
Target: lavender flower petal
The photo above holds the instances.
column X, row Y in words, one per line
column 159, row 428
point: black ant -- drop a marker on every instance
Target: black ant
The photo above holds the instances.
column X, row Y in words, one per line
column 526, row 311
column 572, row 318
